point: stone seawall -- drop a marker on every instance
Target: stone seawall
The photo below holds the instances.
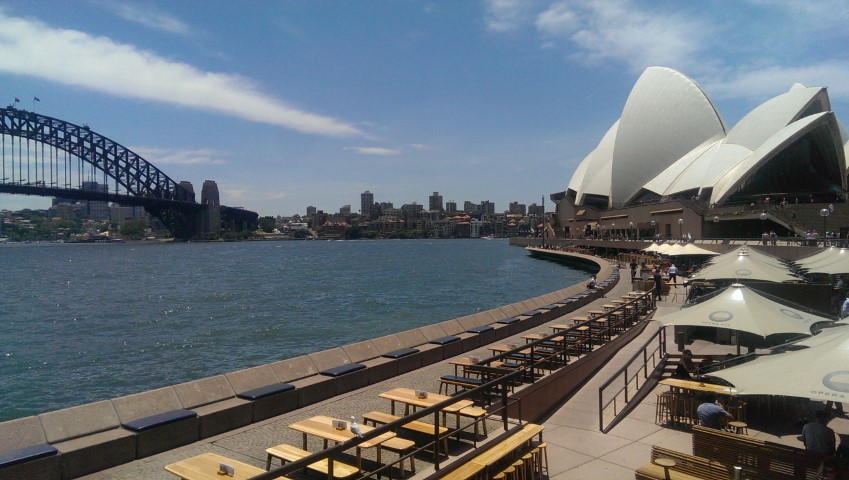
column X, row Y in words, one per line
column 84, row 439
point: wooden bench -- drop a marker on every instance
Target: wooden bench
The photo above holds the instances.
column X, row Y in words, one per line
column 689, row 466
column 288, row 453
column 477, row 465
column 381, row 418
column 769, row 459
column 402, row 447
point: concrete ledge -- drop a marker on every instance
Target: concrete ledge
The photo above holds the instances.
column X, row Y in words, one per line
column 215, row 402
column 345, row 374
column 136, row 409
column 22, row 441
column 266, row 406
column 89, row 438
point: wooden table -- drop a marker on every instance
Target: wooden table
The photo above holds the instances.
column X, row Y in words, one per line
column 579, row 320
column 205, row 467
column 678, row 384
column 408, row 397
column 322, row 426
column 508, row 445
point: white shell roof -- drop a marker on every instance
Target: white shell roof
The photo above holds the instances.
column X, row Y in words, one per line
column 596, row 167
column 670, row 140
column 765, row 152
column 665, row 117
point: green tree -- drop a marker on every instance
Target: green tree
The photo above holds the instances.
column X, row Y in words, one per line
column 266, row 224
column 134, row 228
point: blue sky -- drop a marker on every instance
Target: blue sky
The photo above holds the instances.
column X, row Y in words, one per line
column 288, row 104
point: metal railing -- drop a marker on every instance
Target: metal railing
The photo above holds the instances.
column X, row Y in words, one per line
column 500, row 385
column 627, row 380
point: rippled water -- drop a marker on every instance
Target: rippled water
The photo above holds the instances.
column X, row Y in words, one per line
column 80, row 323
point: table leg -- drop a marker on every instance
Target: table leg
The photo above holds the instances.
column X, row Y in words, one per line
column 305, row 441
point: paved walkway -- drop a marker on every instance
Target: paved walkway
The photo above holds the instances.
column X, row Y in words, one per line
column 577, row 449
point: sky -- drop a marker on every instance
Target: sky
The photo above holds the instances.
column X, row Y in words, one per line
column 289, row 104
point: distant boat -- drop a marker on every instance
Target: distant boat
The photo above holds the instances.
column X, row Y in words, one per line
column 488, row 237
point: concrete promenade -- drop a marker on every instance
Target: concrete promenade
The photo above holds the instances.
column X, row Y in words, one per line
column 576, row 447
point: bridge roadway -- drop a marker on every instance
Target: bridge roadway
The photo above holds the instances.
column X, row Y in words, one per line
column 576, row 447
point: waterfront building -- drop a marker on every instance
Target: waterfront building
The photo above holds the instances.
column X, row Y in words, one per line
column 366, row 202
column 517, row 208
column 669, row 166
column 435, row 202
column 475, row 228
column 450, row 208
column 487, row 208
column 96, row 209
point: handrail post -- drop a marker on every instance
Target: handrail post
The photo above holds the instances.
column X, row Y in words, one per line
column 436, row 441
column 626, row 383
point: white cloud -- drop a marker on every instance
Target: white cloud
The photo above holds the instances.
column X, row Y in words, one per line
column 506, row 15
column 148, row 16
column 162, row 156
column 420, row 146
column 385, row 152
column 621, row 31
column 76, row 58
column 766, row 82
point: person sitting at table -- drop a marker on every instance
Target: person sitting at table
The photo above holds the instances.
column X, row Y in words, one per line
column 711, row 413
column 817, row 436
column 686, row 367
column 705, row 364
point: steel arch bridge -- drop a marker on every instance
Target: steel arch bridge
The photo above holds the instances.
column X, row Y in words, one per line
column 55, row 158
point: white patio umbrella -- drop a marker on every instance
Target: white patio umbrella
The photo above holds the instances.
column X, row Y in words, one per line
column 674, row 250
column 820, row 372
column 663, row 248
column 835, row 263
column 752, row 253
column 740, row 308
column 817, row 257
column 689, row 249
column 744, row 266
column 652, row 248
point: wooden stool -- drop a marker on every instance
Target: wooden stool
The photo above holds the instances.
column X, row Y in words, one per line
column 519, row 467
column 509, row 472
column 666, row 463
column 530, row 468
column 541, row 453
column 739, row 428
column 663, row 411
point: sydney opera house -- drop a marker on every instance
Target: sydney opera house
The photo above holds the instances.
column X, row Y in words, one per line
column 669, row 166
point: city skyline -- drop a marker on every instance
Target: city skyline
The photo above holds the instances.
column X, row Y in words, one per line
column 288, row 105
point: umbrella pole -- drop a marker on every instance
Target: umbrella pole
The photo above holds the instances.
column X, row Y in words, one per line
column 737, row 335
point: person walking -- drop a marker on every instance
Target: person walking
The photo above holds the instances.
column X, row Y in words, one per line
column 658, row 282
column 673, row 273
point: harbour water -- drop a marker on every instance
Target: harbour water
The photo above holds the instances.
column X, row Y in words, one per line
column 80, row 323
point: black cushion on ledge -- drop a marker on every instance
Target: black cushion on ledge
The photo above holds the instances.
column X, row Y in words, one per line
column 26, row 454
column 530, row 313
column 401, row 352
column 342, row 369
column 159, row 419
column 481, row 329
column 552, row 306
column 508, row 321
column 444, row 340
column 268, row 390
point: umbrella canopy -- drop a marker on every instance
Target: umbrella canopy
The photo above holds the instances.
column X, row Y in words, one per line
column 820, row 372
column 652, row 248
column 754, row 254
column 835, row 263
column 674, row 250
column 744, row 266
column 663, row 248
column 817, row 257
column 740, row 308
column 690, row 249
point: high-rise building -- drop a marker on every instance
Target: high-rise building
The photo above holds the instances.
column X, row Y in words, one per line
column 517, row 208
column 487, row 208
column 345, row 210
column 311, row 211
column 96, row 209
column 435, row 202
column 470, row 207
column 450, row 208
column 366, row 202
